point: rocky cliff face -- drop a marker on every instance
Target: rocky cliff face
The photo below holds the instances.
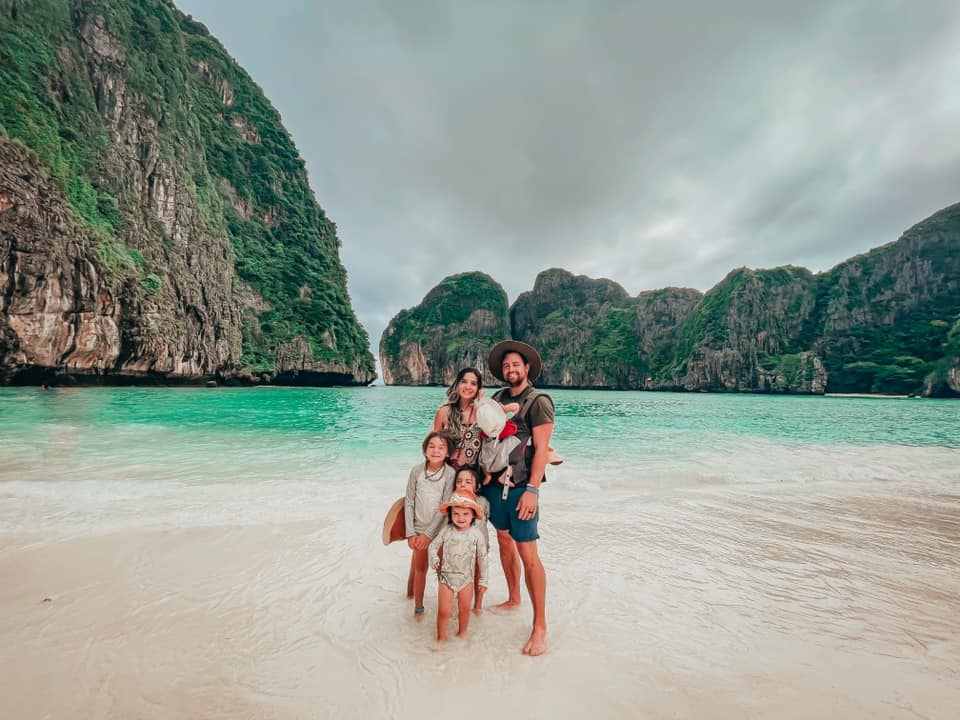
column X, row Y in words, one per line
column 887, row 321
column 944, row 381
column 660, row 316
column 748, row 333
column 583, row 327
column 887, row 314
column 155, row 219
column 454, row 327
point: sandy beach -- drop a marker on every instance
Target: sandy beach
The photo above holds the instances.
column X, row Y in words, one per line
column 703, row 605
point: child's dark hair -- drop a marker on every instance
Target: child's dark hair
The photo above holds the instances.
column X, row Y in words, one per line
column 477, row 477
column 443, row 436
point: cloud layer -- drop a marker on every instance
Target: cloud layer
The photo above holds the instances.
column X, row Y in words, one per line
column 649, row 144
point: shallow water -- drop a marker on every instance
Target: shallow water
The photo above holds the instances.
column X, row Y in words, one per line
column 216, row 553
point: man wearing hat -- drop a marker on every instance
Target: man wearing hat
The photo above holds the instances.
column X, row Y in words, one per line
column 514, row 512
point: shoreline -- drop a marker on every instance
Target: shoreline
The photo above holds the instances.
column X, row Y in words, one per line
column 880, row 396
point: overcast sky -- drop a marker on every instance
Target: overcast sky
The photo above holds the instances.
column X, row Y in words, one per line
column 654, row 144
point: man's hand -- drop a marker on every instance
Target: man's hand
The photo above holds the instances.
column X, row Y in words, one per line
column 527, row 507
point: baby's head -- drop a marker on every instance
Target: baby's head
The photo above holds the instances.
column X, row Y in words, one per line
column 490, row 417
column 468, row 478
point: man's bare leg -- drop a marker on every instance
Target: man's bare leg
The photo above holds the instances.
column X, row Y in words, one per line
column 464, row 601
column 444, row 607
column 536, row 580
column 510, row 561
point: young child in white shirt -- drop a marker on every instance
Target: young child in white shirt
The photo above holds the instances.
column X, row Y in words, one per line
column 464, row 560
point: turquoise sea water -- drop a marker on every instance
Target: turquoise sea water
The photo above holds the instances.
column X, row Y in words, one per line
column 127, row 442
column 198, row 433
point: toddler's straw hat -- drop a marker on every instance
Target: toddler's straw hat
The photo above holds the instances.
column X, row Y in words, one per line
column 463, row 499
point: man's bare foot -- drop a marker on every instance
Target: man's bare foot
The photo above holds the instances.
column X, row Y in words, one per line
column 507, row 605
column 537, row 644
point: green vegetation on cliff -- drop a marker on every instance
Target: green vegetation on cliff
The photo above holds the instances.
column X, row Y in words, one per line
column 453, row 327
column 78, row 78
column 286, row 247
column 888, row 312
column 51, row 110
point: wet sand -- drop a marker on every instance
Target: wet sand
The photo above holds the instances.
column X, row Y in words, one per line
column 707, row 602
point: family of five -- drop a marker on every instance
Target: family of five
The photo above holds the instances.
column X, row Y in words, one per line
column 480, row 466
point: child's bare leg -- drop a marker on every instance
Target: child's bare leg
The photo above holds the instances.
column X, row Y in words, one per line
column 410, row 579
column 464, row 601
column 419, row 576
column 444, row 607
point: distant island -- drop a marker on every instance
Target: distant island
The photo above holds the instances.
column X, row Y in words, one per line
column 885, row 322
column 156, row 223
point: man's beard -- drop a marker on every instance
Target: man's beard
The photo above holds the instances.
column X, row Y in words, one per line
column 517, row 382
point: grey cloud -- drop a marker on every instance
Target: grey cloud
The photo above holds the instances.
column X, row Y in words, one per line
column 650, row 143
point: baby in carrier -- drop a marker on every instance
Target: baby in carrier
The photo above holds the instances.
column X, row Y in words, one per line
column 499, row 453
column 499, row 439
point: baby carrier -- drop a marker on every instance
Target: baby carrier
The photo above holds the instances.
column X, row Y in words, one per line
column 508, row 444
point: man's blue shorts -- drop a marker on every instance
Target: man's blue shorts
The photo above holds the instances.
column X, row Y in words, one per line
column 503, row 513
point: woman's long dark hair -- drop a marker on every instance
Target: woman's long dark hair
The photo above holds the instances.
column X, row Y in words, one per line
column 454, row 424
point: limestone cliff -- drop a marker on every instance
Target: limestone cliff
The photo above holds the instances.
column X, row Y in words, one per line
column 749, row 332
column 585, row 325
column 660, row 316
column 944, row 380
column 155, row 217
column 887, row 321
column 453, row 327
column 887, row 314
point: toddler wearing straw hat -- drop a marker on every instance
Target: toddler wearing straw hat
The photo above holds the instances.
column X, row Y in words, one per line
column 464, row 550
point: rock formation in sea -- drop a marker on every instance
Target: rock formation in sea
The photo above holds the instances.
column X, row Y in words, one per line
column 887, row 321
column 453, row 327
column 155, row 217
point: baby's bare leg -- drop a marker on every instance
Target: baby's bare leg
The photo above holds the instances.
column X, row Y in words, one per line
column 464, row 600
column 444, row 608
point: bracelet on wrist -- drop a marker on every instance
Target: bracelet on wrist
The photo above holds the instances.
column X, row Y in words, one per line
column 535, row 491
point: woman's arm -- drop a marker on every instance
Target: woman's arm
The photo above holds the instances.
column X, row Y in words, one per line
column 440, row 419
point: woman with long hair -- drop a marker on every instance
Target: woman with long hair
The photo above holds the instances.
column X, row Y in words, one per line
column 458, row 417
